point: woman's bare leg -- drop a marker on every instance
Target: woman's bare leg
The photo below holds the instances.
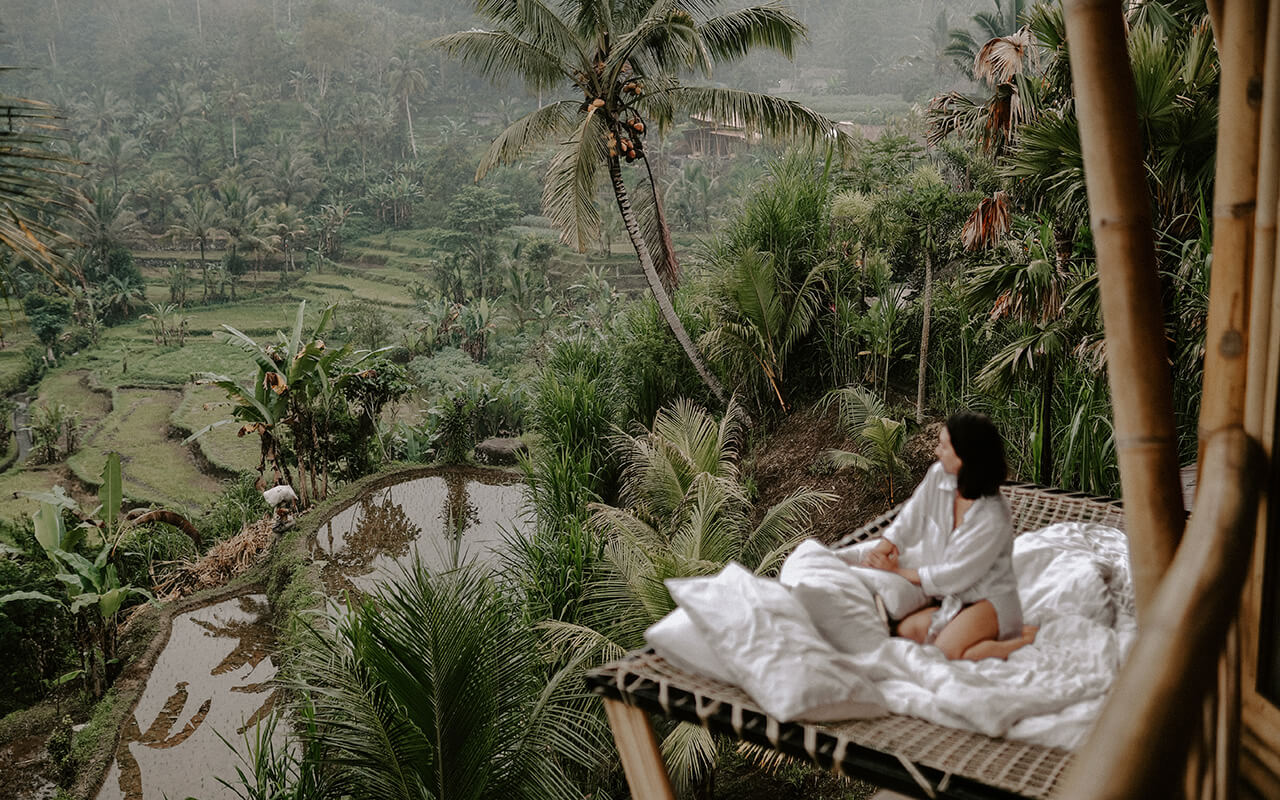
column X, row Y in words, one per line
column 974, row 624
column 915, row 626
column 1001, row 649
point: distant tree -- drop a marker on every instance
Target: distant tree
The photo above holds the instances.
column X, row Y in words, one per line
column 107, row 223
column 47, row 315
column 198, row 222
column 625, row 71
column 407, row 81
column 935, row 210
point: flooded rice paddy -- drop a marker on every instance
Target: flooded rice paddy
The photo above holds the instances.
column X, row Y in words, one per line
column 214, row 677
column 441, row 519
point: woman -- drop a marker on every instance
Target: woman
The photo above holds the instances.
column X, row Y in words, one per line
column 956, row 535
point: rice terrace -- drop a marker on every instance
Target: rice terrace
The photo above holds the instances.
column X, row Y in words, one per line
column 426, row 399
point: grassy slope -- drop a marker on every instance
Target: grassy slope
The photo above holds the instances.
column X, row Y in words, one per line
column 138, row 428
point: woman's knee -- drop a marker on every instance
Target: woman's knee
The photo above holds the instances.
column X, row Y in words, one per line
column 915, row 627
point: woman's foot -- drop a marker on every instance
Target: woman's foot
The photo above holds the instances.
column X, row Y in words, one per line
column 1001, row 649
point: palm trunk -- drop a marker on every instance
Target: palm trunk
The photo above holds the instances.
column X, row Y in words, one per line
column 1046, row 428
column 671, row 273
column 204, row 273
column 235, row 154
column 413, row 145
column 655, row 283
column 924, row 336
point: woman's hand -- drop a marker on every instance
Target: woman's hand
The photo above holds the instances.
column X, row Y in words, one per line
column 883, row 556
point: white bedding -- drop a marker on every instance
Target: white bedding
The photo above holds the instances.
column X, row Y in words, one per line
column 1074, row 582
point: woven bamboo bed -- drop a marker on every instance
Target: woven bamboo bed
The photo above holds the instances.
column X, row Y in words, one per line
column 902, row 753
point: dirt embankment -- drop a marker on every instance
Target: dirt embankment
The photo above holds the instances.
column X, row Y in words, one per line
column 791, row 457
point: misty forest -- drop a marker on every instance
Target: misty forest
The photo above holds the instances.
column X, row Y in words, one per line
column 368, row 365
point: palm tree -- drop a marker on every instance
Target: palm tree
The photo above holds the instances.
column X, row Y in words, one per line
column 880, row 438
column 623, row 64
column 763, row 315
column 1001, row 21
column 436, row 689
column 199, row 220
column 934, row 208
column 35, row 203
column 287, row 226
column 238, row 106
column 407, row 80
column 1032, row 292
column 117, row 153
column 684, row 512
column 107, row 222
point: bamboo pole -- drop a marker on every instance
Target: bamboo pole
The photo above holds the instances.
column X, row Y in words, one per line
column 641, row 760
column 1142, row 736
column 1120, row 214
column 1235, row 199
column 1239, row 311
column 1262, row 409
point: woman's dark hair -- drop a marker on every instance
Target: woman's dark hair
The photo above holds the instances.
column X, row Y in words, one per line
column 981, row 450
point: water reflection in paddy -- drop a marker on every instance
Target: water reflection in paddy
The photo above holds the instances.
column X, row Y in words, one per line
column 441, row 519
column 213, row 677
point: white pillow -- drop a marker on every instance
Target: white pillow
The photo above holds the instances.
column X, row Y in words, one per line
column 901, row 596
column 835, row 596
column 767, row 642
column 676, row 639
column 1056, row 578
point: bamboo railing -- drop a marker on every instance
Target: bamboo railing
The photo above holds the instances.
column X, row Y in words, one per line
column 1167, row 708
column 1143, row 735
column 1120, row 215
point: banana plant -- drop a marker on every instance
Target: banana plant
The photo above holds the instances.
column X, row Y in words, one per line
column 296, row 377
column 94, row 593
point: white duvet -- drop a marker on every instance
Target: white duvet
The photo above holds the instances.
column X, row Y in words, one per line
column 1074, row 582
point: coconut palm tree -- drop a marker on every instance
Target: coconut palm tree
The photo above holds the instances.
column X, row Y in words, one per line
column 622, row 65
column 437, row 689
column 107, row 222
column 683, row 512
column 199, row 218
column 36, row 207
column 406, row 81
column 238, row 106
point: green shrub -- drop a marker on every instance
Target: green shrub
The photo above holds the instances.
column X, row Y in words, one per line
column 35, row 637
column 650, row 368
column 439, row 374
column 145, row 552
column 240, row 503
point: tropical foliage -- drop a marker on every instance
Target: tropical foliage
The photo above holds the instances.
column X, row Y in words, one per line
column 432, row 689
column 626, row 63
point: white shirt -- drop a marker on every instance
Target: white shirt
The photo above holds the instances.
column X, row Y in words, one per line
column 971, row 562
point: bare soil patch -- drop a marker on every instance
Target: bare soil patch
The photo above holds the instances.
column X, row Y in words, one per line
column 791, row 458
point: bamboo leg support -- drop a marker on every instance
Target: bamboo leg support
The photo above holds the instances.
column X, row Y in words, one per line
column 641, row 761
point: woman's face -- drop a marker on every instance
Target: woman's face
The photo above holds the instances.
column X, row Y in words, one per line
column 950, row 461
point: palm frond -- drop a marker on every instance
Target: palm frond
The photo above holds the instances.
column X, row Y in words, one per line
column 523, row 134
column 569, row 193
column 500, row 54
column 537, row 22
column 689, row 752
column 783, row 526
column 1000, row 59
column 731, row 36
column 754, row 112
column 988, row 222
